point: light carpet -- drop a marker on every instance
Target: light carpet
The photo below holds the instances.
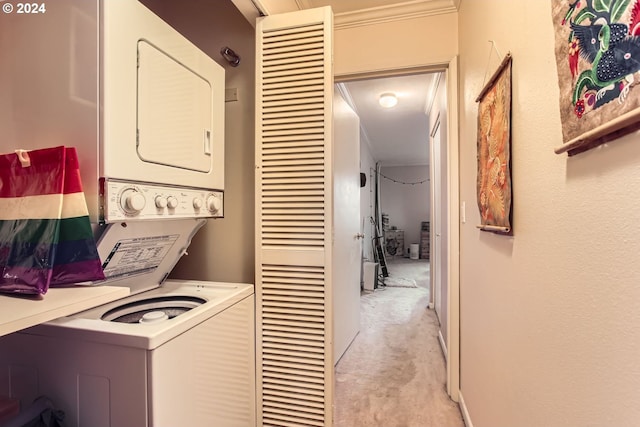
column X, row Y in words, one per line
column 393, row 374
column 400, row 282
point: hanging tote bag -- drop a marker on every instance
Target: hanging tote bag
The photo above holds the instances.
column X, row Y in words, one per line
column 35, row 228
column 76, row 256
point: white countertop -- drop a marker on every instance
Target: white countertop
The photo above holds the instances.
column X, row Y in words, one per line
column 18, row 313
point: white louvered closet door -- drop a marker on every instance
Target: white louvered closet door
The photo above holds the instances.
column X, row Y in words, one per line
column 294, row 91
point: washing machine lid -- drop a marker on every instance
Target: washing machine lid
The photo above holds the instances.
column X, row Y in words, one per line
column 140, row 255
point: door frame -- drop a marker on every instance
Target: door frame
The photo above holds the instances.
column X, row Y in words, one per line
column 452, row 196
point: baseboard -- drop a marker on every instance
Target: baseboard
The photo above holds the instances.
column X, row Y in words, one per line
column 465, row 412
column 442, row 344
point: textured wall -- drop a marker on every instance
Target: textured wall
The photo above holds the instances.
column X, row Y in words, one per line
column 429, row 40
column 406, row 204
column 549, row 317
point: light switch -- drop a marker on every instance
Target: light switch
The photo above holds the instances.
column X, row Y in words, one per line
column 463, row 212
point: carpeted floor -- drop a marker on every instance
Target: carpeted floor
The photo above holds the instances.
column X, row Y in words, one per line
column 393, row 374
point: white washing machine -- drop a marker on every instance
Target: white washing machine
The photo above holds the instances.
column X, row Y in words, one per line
column 177, row 353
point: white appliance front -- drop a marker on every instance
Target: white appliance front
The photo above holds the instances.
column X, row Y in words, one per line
column 195, row 369
column 162, row 100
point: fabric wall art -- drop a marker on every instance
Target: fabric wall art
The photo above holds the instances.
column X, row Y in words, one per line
column 494, row 151
column 597, row 49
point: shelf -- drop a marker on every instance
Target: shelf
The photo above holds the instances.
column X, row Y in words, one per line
column 18, row 313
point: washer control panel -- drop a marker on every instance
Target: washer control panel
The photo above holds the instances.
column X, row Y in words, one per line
column 124, row 201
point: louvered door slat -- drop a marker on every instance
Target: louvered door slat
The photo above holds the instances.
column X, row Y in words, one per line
column 294, row 38
column 299, row 362
column 285, row 192
column 289, row 329
column 293, row 92
column 294, row 401
column 303, row 86
column 285, row 60
column 292, row 140
column 288, row 151
column 306, row 89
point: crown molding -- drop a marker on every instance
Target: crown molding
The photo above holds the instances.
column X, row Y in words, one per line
column 252, row 9
column 393, row 12
column 304, row 4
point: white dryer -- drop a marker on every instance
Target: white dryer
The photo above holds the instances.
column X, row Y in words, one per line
column 176, row 354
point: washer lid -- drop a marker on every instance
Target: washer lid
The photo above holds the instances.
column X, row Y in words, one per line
column 140, row 255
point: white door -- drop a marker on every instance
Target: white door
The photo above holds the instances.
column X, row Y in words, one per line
column 346, row 222
column 436, row 227
column 294, row 219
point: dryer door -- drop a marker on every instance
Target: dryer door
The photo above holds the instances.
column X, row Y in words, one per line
column 174, row 112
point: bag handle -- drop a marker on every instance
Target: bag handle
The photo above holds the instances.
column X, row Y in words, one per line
column 23, row 156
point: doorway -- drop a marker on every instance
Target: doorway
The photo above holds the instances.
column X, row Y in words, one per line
column 431, row 113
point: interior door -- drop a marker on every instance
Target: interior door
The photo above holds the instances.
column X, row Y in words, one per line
column 347, row 243
column 437, row 219
column 294, row 219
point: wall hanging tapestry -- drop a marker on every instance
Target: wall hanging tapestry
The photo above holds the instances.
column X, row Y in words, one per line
column 494, row 151
column 597, row 46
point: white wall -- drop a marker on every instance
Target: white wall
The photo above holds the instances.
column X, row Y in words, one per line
column 367, row 197
column 407, row 205
column 549, row 323
column 428, row 40
column 224, row 249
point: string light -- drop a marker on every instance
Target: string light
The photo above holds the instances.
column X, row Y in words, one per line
column 401, row 182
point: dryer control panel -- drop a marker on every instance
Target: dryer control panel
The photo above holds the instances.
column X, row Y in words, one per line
column 127, row 201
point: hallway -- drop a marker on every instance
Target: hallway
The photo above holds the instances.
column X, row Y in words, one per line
column 393, row 374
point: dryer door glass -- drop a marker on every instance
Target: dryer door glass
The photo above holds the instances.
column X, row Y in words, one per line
column 174, row 112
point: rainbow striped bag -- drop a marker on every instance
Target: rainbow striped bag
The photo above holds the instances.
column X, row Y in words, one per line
column 45, row 232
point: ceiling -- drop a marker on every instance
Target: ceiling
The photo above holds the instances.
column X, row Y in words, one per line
column 397, row 136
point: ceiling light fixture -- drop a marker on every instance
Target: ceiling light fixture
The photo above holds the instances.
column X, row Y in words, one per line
column 388, row 100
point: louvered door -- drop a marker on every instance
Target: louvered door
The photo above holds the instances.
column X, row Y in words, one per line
column 293, row 219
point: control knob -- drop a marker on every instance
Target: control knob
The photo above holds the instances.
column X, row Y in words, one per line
column 172, row 202
column 197, row 203
column 132, row 201
column 214, row 204
column 161, row 202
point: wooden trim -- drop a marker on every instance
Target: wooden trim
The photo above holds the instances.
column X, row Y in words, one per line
column 623, row 125
column 443, row 345
column 453, row 184
column 465, row 412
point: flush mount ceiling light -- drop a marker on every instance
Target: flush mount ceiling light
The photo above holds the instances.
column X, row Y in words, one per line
column 388, row 100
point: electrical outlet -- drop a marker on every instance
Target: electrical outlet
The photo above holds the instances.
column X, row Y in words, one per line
column 231, row 94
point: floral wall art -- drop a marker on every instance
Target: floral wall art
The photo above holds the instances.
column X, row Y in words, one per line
column 598, row 60
column 494, row 151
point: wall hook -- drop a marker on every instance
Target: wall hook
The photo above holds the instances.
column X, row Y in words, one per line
column 232, row 58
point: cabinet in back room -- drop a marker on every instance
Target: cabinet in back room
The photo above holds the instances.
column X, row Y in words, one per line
column 425, row 243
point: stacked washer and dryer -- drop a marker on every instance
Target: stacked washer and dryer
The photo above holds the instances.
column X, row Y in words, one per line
column 145, row 110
